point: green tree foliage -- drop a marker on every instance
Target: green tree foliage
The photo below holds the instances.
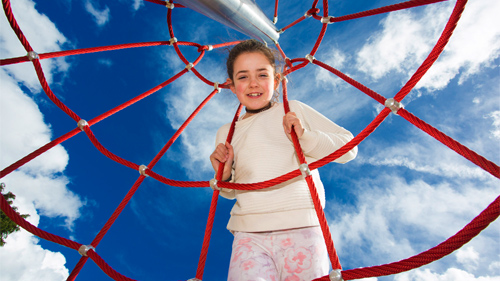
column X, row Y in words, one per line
column 7, row 226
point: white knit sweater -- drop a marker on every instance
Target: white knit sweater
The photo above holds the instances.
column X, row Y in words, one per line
column 262, row 151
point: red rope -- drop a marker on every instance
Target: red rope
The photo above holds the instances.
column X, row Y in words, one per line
column 436, row 51
column 445, row 248
column 459, row 148
column 213, row 205
column 15, row 217
column 332, row 253
column 453, row 243
column 386, row 9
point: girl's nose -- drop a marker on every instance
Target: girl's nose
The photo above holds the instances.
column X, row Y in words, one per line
column 253, row 82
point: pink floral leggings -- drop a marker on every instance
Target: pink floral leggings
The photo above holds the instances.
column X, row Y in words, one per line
column 287, row 255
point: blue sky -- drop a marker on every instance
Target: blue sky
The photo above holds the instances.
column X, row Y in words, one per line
column 403, row 194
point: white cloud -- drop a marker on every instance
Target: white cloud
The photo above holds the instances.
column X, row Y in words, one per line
column 138, row 4
column 496, row 123
column 406, row 39
column 23, row 259
column 43, row 37
column 452, row 274
column 393, row 219
column 198, row 139
column 101, row 17
column 468, row 257
column 41, row 182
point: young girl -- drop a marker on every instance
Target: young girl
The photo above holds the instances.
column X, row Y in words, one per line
column 276, row 230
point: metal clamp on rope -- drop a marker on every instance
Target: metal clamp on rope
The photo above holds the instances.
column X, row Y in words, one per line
column 216, row 87
column 326, row 20
column 194, row 279
column 336, row 275
column 213, row 185
column 172, row 40
column 310, row 58
column 142, row 170
column 307, row 15
column 210, row 47
column 84, row 249
column 393, row 105
column 32, row 55
column 275, row 20
column 169, row 5
column 189, row 66
column 82, row 123
column 304, row 169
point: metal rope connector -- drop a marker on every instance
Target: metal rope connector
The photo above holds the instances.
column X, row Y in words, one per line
column 84, row 249
column 275, row 20
column 216, row 86
column 310, row 58
column 32, row 55
column 169, row 5
column 304, row 169
column 393, row 105
column 194, row 279
column 82, row 123
column 336, row 275
column 307, row 15
column 189, row 66
column 213, row 185
column 210, row 47
column 142, row 170
column 326, row 20
column 172, row 40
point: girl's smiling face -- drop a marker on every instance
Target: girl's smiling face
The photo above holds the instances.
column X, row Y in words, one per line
column 254, row 80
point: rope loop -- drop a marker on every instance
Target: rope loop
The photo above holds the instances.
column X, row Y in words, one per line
column 32, row 55
column 84, row 249
column 311, row 12
column 82, row 123
column 336, row 275
column 142, row 170
column 393, row 105
column 213, row 185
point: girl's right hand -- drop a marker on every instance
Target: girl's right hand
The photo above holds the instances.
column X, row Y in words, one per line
column 223, row 153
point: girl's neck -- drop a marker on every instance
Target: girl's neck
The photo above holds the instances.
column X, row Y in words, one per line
column 251, row 112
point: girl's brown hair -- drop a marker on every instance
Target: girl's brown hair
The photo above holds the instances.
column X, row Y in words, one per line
column 249, row 46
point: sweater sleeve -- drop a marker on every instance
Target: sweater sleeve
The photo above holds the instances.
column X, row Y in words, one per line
column 321, row 136
column 221, row 138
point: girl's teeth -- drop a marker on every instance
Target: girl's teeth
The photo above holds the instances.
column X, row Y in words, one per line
column 253, row 95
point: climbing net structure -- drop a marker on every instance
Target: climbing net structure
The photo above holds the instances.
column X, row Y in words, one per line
column 392, row 104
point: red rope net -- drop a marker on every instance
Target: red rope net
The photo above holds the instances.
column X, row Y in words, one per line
column 453, row 243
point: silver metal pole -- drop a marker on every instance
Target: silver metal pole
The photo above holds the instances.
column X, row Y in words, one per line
column 242, row 15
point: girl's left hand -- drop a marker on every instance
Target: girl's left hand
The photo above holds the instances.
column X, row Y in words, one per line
column 289, row 120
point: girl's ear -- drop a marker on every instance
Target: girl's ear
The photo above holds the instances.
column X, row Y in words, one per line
column 277, row 80
column 231, row 85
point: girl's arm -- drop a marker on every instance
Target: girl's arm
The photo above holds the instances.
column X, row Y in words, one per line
column 320, row 135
